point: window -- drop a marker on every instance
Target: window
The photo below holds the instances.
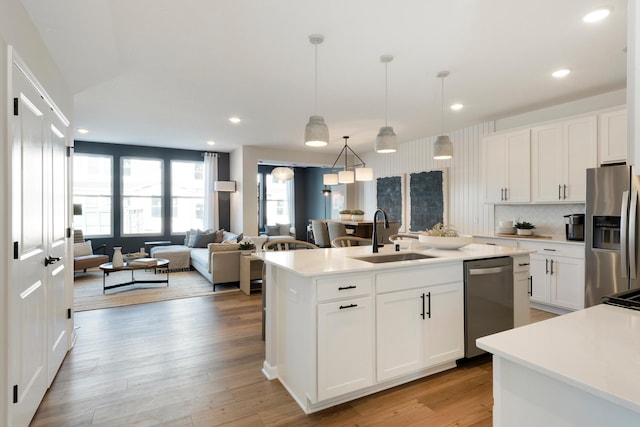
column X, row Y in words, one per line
column 141, row 196
column 93, row 193
column 277, row 201
column 187, row 195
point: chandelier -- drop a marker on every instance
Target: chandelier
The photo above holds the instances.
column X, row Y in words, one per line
column 350, row 174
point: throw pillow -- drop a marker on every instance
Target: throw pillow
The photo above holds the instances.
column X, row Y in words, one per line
column 272, row 230
column 82, row 249
column 203, row 240
column 285, row 229
column 219, row 236
column 190, row 238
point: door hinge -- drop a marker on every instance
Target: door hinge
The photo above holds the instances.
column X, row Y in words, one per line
column 15, row 250
column 68, row 232
column 15, row 106
column 69, row 151
column 15, row 393
column 68, row 313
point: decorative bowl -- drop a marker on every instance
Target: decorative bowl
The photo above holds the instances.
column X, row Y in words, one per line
column 438, row 242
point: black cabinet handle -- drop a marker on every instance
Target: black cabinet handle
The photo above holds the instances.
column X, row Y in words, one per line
column 559, row 190
column 491, row 244
column 51, row 260
column 429, row 305
column 506, row 194
column 502, row 194
column 564, row 191
column 552, row 267
column 546, row 266
column 342, row 307
column 550, row 250
column 342, row 288
column 422, row 314
column 531, row 285
column 523, row 264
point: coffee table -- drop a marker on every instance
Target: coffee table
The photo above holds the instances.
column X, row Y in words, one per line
column 108, row 268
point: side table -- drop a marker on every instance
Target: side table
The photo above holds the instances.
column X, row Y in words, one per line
column 250, row 271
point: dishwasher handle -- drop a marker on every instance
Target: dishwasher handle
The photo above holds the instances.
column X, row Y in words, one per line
column 489, row 270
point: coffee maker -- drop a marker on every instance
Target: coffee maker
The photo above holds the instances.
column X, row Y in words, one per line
column 574, row 227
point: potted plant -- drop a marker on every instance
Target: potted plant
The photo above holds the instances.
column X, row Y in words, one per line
column 246, row 247
column 524, row 228
column 357, row 215
column 345, row 214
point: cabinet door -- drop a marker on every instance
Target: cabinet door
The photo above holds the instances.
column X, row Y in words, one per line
column 400, row 329
column 612, row 140
column 547, row 163
column 518, row 182
column 580, row 153
column 521, row 312
column 540, row 282
column 567, row 285
column 444, row 323
column 494, row 161
column 345, row 346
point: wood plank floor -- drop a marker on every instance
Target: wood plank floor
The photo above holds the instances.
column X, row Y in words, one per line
column 197, row 362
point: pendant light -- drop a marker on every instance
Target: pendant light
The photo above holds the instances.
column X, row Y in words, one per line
column 357, row 172
column 443, row 148
column 316, row 133
column 386, row 141
column 282, row 173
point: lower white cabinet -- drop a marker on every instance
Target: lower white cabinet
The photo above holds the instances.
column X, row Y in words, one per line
column 557, row 281
column 345, row 346
column 419, row 328
column 521, row 291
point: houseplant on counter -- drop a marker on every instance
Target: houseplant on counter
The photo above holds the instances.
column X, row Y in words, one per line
column 246, row 247
column 524, row 228
column 345, row 215
column 357, row 215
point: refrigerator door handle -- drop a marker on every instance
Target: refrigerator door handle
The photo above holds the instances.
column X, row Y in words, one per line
column 624, row 222
column 632, row 234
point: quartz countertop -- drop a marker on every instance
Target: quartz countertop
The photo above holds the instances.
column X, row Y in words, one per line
column 315, row 262
column 596, row 350
column 552, row 239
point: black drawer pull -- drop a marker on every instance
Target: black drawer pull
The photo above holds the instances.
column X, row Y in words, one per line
column 342, row 288
column 549, row 250
column 342, row 307
column 523, row 264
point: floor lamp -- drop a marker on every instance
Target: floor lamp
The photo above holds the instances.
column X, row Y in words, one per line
column 326, row 193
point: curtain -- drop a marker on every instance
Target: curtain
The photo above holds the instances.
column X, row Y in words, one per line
column 210, row 219
column 291, row 202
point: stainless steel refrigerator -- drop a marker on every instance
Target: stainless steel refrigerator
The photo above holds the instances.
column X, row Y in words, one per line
column 611, row 232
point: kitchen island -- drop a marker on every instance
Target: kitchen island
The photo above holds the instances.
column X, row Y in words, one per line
column 579, row 369
column 339, row 327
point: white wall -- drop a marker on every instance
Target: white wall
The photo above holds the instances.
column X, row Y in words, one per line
column 17, row 30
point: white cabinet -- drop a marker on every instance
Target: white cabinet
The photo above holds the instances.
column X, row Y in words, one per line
column 345, row 346
column 612, row 136
column 506, row 161
column 560, row 154
column 521, row 291
column 422, row 326
column 557, row 281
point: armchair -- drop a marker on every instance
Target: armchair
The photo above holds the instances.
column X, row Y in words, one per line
column 84, row 255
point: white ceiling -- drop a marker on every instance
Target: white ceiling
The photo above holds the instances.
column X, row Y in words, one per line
column 169, row 73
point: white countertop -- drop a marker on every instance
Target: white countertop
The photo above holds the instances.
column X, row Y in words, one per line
column 553, row 239
column 314, row 262
column 596, row 350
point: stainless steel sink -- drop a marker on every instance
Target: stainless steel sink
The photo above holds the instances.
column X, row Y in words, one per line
column 400, row 256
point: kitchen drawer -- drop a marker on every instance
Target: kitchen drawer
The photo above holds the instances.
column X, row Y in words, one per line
column 554, row 248
column 419, row 277
column 521, row 264
column 496, row 241
column 343, row 287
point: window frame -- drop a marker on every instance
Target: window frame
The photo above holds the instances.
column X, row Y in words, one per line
column 111, row 196
column 161, row 197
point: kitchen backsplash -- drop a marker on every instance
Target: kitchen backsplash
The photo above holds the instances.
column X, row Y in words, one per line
column 548, row 219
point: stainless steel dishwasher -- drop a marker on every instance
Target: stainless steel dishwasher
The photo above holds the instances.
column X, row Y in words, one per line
column 488, row 300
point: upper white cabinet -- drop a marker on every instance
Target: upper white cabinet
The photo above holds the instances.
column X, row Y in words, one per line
column 560, row 154
column 506, row 161
column 612, row 141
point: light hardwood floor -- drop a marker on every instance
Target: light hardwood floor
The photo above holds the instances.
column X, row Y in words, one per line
column 197, row 361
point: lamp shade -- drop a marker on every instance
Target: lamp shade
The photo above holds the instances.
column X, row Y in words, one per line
column 330, row 179
column 228, row 186
column 316, row 133
column 443, row 148
column 386, row 141
column 346, row 177
column 282, row 173
column 364, row 174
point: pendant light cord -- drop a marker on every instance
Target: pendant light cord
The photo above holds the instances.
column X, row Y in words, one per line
column 315, row 112
column 386, row 92
column 442, row 107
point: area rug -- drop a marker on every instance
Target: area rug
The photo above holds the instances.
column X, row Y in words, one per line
column 87, row 289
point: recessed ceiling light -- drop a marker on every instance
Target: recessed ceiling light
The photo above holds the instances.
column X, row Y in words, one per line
column 596, row 15
column 82, row 130
column 564, row 72
column 456, row 107
column 235, row 120
column 211, row 142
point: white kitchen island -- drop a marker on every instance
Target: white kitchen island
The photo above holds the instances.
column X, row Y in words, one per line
column 579, row 369
column 338, row 328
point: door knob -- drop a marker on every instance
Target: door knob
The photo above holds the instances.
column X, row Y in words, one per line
column 51, row 260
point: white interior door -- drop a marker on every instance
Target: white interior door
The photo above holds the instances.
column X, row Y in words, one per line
column 27, row 291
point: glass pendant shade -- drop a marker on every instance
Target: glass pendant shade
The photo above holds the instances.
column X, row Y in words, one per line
column 386, row 141
column 282, row 173
column 346, row 177
column 330, row 179
column 316, row 133
column 364, row 174
column 443, row 148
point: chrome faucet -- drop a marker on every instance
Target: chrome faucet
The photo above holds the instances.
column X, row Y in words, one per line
column 374, row 237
